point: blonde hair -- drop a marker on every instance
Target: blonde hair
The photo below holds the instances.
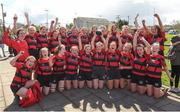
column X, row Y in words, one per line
column 99, row 44
column 87, row 45
column 32, row 27
column 74, row 47
column 128, row 44
column 43, row 49
column 30, row 57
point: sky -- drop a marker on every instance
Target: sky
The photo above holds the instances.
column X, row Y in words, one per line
column 66, row 10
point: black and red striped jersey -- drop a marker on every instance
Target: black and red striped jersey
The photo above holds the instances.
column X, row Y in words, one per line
column 22, row 75
column 99, row 58
column 126, row 38
column 154, row 66
column 126, row 59
column 85, row 39
column 43, row 67
column 86, row 61
column 42, row 41
column 113, row 59
column 31, row 41
column 52, row 44
column 59, row 63
column 72, row 63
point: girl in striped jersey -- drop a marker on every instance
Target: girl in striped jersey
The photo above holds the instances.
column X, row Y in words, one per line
column 98, row 62
column 23, row 76
column 41, row 38
column 58, row 63
column 157, row 34
column 138, row 82
column 85, row 38
column 113, row 36
column 112, row 58
column 85, row 65
column 31, row 41
column 73, row 38
column 154, row 71
column 63, row 36
column 126, row 61
column 43, row 70
column 72, row 64
column 53, row 41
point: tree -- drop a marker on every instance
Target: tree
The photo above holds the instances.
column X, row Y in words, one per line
column 121, row 22
column 176, row 25
column 69, row 26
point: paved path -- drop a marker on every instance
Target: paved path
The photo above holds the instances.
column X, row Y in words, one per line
column 85, row 99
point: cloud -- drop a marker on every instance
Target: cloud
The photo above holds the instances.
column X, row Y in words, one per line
column 66, row 10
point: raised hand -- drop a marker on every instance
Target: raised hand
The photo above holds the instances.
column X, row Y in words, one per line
column 26, row 14
column 21, row 53
column 15, row 17
column 56, row 19
column 52, row 22
column 143, row 21
column 137, row 16
column 156, row 15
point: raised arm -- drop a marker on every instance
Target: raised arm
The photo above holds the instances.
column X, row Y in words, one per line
column 148, row 46
column 14, row 60
column 104, row 42
column 27, row 19
column 93, row 41
column 160, row 22
column 107, row 40
column 145, row 27
column 145, row 42
column 51, row 26
column 14, row 29
column 6, row 39
column 80, row 42
column 119, row 41
column 56, row 22
column 136, row 21
column 135, row 40
column 51, row 61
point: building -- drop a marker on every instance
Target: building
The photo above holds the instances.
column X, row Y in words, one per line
column 89, row 22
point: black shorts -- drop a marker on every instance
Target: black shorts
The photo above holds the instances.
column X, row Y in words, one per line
column 99, row 72
column 57, row 77
column 71, row 77
column 140, row 80
column 156, row 82
column 126, row 74
column 113, row 73
column 44, row 80
column 15, row 89
column 84, row 75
